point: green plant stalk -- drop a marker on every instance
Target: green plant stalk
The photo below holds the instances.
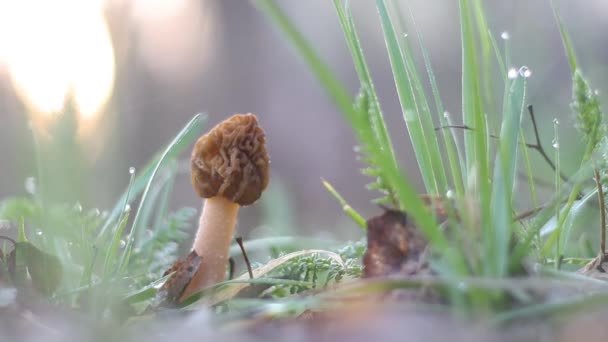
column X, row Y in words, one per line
column 421, row 104
column 566, row 41
column 373, row 114
column 486, row 52
column 411, row 113
column 358, row 57
column 193, row 125
column 563, row 214
column 348, row 210
column 476, row 141
column 529, row 173
column 499, row 237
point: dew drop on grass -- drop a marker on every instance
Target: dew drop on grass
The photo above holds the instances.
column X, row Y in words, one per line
column 405, row 35
column 525, row 72
column 462, row 286
column 555, row 121
column 78, row 207
column 555, row 144
column 127, row 208
column 131, row 170
column 38, row 232
column 446, row 115
column 512, row 73
column 505, row 35
column 30, row 185
column 450, row 194
column 122, row 244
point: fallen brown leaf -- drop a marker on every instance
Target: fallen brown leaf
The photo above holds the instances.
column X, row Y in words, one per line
column 394, row 245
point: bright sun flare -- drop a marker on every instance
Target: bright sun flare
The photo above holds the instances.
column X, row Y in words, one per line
column 55, row 48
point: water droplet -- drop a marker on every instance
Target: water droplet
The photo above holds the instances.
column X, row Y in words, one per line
column 505, row 35
column 131, row 170
column 405, row 35
column 94, row 212
column 78, row 207
column 122, row 244
column 462, row 286
column 30, row 185
column 555, row 121
column 555, row 144
column 512, row 73
column 525, row 72
column 70, row 243
column 450, row 194
column 596, row 92
column 38, row 232
column 127, row 208
column 446, row 114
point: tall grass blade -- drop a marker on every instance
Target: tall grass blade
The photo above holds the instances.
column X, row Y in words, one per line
column 504, row 180
column 417, row 119
column 566, row 41
column 183, row 138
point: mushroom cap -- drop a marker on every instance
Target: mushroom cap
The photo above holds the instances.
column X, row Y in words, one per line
column 231, row 161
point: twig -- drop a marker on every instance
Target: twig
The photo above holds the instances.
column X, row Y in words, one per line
column 537, row 146
column 528, row 213
column 239, row 241
column 600, row 196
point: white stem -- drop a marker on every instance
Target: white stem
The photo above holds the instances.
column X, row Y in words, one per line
column 212, row 242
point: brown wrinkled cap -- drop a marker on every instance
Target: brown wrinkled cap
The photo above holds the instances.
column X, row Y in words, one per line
column 231, row 161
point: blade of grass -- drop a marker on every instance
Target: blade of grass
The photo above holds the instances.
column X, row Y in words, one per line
column 142, row 179
column 457, row 166
column 476, row 142
column 504, row 181
column 566, row 41
column 179, row 142
column 376, row 117
column 427, row 153
column 354, row 215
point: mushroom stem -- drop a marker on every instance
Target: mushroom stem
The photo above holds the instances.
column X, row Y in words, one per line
column 212, row 242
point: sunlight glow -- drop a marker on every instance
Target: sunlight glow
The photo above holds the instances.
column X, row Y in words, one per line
column 55, row 48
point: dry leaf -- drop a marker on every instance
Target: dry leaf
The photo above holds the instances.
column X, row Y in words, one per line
column 183, row 270
column 394, row 245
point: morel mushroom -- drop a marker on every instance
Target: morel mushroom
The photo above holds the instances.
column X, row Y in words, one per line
column 230, row 168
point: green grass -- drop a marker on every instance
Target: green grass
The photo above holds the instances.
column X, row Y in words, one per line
column 486, row 242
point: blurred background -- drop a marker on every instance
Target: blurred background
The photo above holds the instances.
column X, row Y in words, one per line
column 133, row 72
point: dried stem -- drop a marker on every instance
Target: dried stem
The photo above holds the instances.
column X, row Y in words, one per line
column 538, row 146
column 239, row 241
